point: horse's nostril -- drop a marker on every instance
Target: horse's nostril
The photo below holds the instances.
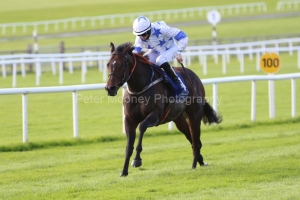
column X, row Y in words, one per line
column 112, row 88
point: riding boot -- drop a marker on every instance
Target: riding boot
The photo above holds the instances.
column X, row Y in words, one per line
column 169, row 70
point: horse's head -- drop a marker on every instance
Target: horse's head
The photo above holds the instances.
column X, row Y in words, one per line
column 118, row 68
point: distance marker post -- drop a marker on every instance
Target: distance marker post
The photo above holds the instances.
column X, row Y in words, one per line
column 214, row 17
column 270, row 63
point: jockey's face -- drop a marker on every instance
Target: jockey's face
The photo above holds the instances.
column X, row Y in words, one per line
column 145, row 36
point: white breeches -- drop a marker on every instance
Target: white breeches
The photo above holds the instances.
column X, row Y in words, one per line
column 166, row 56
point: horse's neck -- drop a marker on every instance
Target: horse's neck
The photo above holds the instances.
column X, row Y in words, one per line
column 140, row 78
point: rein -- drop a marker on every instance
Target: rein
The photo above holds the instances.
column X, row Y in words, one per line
column 123, row 80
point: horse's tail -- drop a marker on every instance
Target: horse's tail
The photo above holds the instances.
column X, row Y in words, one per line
column 210, row 115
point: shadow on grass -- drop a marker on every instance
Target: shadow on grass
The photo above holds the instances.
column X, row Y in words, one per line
column 61, row 143
column 76, row 142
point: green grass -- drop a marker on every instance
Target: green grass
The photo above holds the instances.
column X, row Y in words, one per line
column 91, row 8
column 258, row 161
column 226, row 30
column 34, row 10
column 248, row 160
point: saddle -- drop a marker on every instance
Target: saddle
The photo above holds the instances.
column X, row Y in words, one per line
column 175, row 88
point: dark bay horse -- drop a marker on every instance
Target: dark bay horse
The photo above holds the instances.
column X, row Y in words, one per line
column 147, row 102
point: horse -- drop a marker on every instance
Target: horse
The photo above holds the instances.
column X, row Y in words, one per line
column 147, row 102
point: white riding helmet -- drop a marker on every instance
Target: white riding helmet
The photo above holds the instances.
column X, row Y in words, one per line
column 141, row 25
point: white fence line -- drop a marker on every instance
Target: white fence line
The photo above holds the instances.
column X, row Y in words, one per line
column 288, row 4
column 102, row 60
column 225, row 55
column 230, row 9
column 248, row 45
column 240, row 50
column 83, row 59
column 53, row 60
column 214, row 81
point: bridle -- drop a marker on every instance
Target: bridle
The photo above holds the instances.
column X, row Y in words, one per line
column 122, row 79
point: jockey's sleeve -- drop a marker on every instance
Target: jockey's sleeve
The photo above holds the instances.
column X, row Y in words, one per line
column 137, row 45
column 178, row 35
column 182, row 40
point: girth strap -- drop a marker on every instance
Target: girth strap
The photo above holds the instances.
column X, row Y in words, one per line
column 145, row 88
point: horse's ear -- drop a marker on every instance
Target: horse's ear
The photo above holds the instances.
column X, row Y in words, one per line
column 112, row 47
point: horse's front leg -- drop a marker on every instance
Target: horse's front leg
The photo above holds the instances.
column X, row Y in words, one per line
column 151, row 120
column 130, row 127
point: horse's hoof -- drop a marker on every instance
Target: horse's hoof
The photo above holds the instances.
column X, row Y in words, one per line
column 204, row 165
column 123, row 174
column 136, row 163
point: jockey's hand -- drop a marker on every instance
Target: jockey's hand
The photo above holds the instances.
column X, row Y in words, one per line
column 179, row 58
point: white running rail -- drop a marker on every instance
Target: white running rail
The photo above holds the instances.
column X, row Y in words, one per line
column 214, row 81
column 288, row 5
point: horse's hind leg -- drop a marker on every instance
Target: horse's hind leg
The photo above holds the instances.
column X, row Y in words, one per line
column 196, row 143
column 183, row 126
column 195, row 128
column 151, row 120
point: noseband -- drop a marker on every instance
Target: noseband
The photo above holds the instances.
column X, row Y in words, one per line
column 122, row 79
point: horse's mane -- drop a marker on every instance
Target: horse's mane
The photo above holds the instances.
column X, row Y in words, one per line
column 123, row 46
column 142, row 58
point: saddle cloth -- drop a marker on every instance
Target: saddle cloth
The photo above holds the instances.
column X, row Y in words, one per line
column 175, row 87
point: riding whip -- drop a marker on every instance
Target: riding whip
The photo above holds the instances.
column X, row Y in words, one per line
column 189, row 78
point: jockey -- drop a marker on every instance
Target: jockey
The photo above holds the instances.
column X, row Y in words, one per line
column 160, row 39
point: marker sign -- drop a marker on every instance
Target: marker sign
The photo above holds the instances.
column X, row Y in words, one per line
column 270, row 62
column 213, row 17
